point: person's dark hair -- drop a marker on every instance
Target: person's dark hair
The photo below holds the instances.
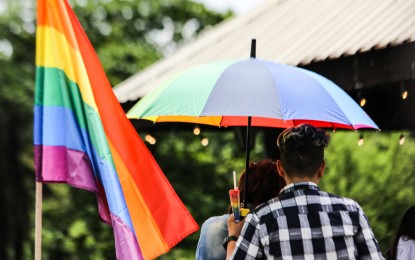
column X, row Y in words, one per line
column 302, row 149
column 264, row 183
column 406, row 228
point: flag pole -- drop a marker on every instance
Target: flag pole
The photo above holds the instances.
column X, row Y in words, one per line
column 38, row 221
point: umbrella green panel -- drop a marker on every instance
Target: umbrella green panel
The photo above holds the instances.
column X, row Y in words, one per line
column 185, row 94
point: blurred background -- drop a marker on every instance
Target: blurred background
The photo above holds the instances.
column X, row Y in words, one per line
column 374, row 168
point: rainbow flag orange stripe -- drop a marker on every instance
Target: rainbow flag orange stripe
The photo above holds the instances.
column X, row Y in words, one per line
column 82, row 137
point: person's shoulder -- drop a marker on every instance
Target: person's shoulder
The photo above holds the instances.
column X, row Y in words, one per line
column 214, row 224
column 216, row 219
column 267, row 207
column 406, row 247
column 350, row 204
column 406, row 241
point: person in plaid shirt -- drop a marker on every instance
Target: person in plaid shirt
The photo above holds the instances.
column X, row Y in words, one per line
column 303, row 222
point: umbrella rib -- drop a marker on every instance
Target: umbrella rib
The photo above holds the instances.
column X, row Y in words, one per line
column 284, row 118
column 330, row 96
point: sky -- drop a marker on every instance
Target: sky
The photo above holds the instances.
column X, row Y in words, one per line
column 237, row 6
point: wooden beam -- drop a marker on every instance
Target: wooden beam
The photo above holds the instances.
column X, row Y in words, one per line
column 369, row 69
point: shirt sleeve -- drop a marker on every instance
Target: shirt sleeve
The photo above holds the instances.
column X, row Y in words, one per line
column 366, row 244
column 248, row 245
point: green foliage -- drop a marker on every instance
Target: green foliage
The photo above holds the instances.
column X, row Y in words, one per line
column 71, row 225
column 16, row 105
column 130, row 35
column 379, row 175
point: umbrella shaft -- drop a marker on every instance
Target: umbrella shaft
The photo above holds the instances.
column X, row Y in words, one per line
column 248, row 142
column 253, row 48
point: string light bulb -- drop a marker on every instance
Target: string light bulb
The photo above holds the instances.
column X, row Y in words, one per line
column 196, row 130
column 360, row 141
column 404, row 92
column 150, row 139
column 401, row 139
column 204, row 141
column 362, row 100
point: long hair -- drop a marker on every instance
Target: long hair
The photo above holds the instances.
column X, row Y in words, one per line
column 264, row 183
column 406, row 228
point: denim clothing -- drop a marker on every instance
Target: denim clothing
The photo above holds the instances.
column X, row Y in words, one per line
column 212, row 233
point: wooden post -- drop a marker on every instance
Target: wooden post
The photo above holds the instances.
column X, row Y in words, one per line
column 38, row 221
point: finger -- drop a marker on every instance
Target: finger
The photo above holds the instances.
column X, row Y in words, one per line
column 231, row 218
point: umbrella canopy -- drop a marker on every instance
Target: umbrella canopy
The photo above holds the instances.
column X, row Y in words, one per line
column 225, row 93
column 251, row 92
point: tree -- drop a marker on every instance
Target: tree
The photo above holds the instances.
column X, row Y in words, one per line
column 16, row 101
column 379, row 175
column 130, row 35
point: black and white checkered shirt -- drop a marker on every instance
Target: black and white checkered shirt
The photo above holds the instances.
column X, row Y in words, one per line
column 306, row 223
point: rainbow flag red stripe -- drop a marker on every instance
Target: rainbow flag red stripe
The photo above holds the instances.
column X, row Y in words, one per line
column 82, row 137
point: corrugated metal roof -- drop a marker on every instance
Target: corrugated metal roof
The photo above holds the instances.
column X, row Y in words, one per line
column 294, row 32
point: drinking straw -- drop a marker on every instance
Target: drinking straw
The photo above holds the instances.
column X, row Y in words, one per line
column 234, row 181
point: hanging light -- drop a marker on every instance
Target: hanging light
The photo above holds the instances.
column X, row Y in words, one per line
column 196, row 130
column 204, row 141
column 404, row 92
column 360, row 141
column 150, row 139
column 401, row 139
column 362, row 100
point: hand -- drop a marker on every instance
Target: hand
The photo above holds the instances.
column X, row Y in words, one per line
column 234, row 228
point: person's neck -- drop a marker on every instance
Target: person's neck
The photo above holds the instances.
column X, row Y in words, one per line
column 301, row 179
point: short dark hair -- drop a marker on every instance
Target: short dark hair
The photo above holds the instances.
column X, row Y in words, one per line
column 302, row 149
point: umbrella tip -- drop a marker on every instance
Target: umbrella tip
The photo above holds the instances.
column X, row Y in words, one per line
column 253, row 48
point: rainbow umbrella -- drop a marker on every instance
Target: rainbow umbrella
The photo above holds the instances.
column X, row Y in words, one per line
column 251, row 92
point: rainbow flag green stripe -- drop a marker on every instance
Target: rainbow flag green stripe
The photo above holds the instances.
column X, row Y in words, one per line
column 54, row 88
column 59, row 91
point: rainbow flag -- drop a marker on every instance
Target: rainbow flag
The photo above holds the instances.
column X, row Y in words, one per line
column 82, row 137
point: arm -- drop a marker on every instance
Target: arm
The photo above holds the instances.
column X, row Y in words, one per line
column 365, row 241
column 231, row 248
column 234, row 229
column 248, row 245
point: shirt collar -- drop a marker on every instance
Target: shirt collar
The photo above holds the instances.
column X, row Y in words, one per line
column 299, row 186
